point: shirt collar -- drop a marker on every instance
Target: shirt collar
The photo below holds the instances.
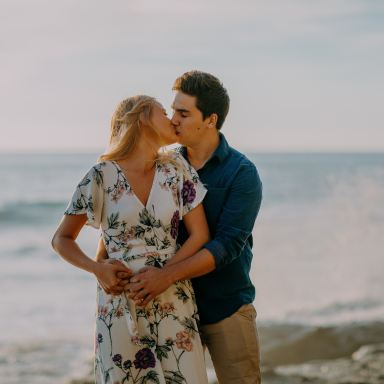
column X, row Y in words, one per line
column 220, row 153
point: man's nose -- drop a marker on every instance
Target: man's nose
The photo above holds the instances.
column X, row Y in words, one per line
column 174, row 120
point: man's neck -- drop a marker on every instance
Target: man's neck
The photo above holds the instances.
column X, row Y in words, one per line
column 199, row 154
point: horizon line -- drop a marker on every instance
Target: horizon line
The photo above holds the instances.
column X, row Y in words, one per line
column 94, row 151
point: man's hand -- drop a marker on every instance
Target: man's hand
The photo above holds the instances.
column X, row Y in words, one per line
column 112, row 275
column 148, row 283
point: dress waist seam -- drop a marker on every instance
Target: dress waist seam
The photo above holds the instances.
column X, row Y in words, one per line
column 144, row 251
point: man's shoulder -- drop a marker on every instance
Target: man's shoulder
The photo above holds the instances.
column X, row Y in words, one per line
column 244, row 169
column 241, row 158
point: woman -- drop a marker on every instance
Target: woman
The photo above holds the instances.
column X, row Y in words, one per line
column 137, row 197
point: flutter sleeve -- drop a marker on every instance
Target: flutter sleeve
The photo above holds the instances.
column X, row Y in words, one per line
column 192, row 190
column 88, row 197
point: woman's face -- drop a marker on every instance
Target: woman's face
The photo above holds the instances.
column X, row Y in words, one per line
column 162, row 125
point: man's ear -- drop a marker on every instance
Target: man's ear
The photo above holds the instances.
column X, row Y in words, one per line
column 212, row 120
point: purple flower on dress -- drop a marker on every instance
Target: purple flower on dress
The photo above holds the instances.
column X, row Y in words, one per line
column 144, row 359
column 117, row 359
column 127, row 364
column 99, row 338
column 188, row 192
column 175, row 224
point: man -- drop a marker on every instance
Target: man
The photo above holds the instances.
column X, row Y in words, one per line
column 220, row 271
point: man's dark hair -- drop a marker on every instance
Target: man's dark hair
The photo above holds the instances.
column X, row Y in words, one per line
column 211, row 96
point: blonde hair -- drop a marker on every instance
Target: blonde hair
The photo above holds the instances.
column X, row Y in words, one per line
column 126, row 126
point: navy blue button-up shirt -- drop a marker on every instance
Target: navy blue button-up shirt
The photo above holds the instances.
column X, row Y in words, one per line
column 231, row 206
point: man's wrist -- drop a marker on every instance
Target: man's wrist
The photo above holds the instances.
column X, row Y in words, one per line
column 170, row 273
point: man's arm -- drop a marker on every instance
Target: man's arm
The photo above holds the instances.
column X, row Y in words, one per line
column 151, row 281
column 234, row 227
column 238, row 216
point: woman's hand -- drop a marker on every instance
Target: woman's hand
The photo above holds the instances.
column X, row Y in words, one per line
column 112, row 276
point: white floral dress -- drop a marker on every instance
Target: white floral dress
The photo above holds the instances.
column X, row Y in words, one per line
column 161, row 343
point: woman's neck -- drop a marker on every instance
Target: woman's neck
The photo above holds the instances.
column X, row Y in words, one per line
column 142, row 158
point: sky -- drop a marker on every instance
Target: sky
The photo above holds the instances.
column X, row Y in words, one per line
column 302, row 75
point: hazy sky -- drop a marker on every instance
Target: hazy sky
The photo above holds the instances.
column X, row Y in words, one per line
column 301, row 74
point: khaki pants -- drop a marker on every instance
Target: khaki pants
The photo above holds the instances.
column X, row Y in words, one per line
column 234, row 347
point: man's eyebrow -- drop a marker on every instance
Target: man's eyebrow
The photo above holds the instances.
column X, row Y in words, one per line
column 179, row 109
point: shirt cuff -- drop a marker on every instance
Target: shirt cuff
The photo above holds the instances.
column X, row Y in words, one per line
column 218, row 251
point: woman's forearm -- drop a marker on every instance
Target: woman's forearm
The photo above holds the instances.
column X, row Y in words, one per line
column 107, row 274
column 70, row 251
column 64, row 243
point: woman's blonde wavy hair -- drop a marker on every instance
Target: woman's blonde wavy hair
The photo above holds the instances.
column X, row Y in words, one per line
column 126, row 126
column 126, row 129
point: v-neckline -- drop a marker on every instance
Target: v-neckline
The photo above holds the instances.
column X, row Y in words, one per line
column 132, row 190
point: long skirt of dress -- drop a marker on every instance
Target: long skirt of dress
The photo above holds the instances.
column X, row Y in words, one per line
column 156, row 344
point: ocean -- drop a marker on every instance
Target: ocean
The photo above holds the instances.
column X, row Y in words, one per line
column 318, row 262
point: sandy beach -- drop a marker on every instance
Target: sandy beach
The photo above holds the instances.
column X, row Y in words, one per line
column 295, row 354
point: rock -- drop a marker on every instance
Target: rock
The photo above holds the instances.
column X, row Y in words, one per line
column 365, row 366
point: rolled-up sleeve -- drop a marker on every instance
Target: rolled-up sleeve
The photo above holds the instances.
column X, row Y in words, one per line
column 238, row 216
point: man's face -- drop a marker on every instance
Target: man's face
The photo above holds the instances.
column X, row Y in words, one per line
column 187, row 119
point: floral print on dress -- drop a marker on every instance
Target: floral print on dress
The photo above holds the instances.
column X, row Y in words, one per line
column 175, row 224
column 188, row 192
column 159, row 343
column 88, row 197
